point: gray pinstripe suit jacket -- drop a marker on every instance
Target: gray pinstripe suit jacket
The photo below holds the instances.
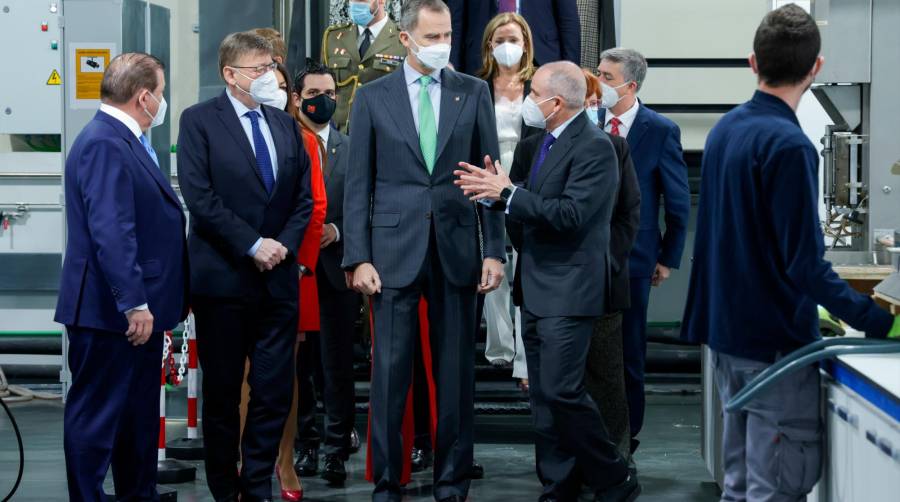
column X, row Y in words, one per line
column 390, row 200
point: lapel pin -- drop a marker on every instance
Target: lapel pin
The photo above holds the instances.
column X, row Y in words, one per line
column 456, row 98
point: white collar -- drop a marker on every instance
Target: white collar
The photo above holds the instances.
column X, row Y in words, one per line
column 559, row 130
column 324, row 134
column 124, row 118
column 375, row 28
column 239, row 107
column 412, row 75
column 626, row 118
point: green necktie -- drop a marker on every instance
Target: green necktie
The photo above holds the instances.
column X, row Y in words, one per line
column 427, row 127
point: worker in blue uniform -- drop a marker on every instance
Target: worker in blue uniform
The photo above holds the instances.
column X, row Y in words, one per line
column 759, row 269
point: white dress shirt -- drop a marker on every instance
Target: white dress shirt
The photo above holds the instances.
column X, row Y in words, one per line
column 413, row 87
column 135, row 129
column 324, row 134
column 626, row 118
column 375, row 29
column 556, row 134
column 241, row 111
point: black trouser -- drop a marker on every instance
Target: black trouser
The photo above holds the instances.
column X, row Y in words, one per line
column 605, row 379
column 338, row 312
column 572, row 443
column 421, row 401
column 309, row 390
column 451, row 312
column 229, row 331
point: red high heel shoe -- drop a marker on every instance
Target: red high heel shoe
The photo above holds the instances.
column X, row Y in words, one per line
column 289, row 495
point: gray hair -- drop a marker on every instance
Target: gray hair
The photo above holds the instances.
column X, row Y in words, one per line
column 566, row 80
column 128, row 74
column 409, row 13
column 238, row 44
column 634, row 65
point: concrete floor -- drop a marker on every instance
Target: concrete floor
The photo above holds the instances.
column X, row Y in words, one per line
column 669, row 463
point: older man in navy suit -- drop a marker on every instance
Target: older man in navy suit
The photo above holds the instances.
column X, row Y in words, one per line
column 123, row 284
column 655, row 143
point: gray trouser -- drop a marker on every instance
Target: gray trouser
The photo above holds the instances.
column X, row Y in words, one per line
column 772, row 449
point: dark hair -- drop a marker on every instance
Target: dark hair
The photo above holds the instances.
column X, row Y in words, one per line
column 128, row 74
column 409, row 12
column 313, row 67
column 786, row 46
column 236, row 45
column 280, row 68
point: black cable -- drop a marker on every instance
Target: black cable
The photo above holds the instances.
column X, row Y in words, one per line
column 21, row 452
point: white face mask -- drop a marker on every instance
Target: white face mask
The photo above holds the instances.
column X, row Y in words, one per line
column 160, row 117
column 282, row 100
column 435, row 57
column 264, row 88
column 610, row 98
column 508, row 54
column 532, row 114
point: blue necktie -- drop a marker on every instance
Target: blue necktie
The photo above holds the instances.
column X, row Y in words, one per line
column 263, row 161
column 150, row 151
column 545, row 149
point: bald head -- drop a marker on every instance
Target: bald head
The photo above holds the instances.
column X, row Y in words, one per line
column 562, row 79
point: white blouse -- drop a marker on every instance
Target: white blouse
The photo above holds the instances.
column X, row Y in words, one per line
column 509, row 128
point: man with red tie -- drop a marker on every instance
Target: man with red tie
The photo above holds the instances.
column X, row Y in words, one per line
column 655, row 143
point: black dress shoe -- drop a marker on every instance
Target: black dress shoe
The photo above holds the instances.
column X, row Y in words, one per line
column 626, row 491
column 334, row 471
column 308, row 463
column 421, row 459
column 477, row 471
column 354, row 441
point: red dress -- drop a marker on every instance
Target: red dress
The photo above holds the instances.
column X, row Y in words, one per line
column 308, row 254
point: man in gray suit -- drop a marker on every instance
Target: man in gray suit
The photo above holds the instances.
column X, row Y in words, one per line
column 409, row 231
column 559, row 220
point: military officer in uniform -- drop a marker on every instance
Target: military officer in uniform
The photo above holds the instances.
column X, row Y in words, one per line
column 359, row 52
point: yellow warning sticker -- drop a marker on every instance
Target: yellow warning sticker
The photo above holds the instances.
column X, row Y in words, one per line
column 89, row 67
column 54, row 79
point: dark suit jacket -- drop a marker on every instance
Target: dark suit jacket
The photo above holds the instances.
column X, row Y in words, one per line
column 555, row 27
column 526, row 129
column 391, row 202
column 229, row 206
column 330, row 258
column 655, row 143
column 125, row 243
column 563, row 221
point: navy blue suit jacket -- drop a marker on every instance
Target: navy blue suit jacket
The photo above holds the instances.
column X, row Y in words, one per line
column 125, row 243
column 555, row 28
column 655, row 144
column 759, row 269
column 230, row 208
column 391, row 203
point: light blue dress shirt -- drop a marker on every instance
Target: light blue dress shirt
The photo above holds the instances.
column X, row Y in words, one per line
column 413, row 87
column 241, row 111
column 556, row 134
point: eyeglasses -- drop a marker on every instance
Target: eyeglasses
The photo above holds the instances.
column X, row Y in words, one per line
column 263, row 68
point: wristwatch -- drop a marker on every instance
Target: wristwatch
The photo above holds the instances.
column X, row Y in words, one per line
column 506, row 193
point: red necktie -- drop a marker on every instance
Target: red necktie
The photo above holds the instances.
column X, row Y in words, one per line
column 615, row 123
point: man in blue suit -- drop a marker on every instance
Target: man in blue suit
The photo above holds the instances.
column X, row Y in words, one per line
column 245, row 179
column 655, row 143
column 123, row 283
column 555, row 26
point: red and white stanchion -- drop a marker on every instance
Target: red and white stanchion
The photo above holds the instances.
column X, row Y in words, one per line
column 169, row 471
column 190, row 447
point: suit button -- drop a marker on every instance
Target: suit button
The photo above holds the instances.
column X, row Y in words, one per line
column 428, row 215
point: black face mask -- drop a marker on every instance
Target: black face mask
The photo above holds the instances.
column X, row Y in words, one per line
column 319, row 109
